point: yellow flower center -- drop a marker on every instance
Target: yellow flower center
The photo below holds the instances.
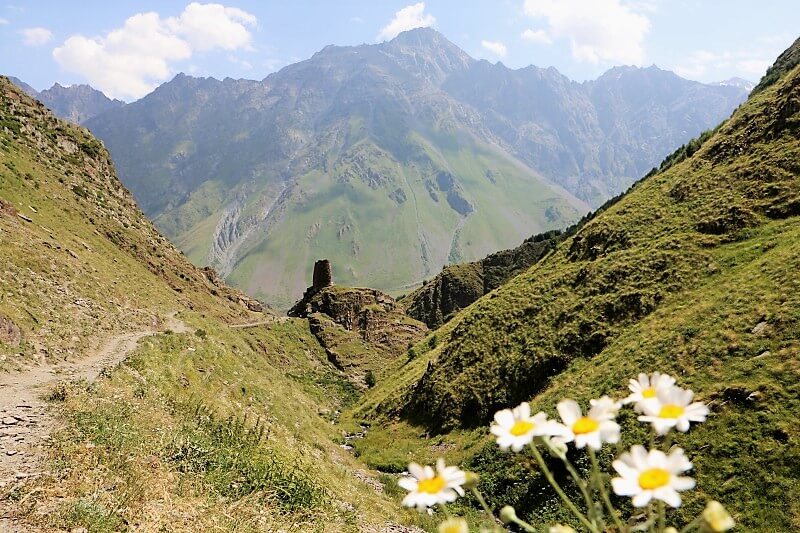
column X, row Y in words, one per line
column 670, row 411
column 521, row 427
column 649, row 393
column 431, row 486
column 585, row 425
column 653, row 478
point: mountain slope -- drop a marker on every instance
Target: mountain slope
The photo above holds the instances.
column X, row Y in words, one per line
column 30, row 91
column 692, row 272
column 204, row 427
column 410, row 144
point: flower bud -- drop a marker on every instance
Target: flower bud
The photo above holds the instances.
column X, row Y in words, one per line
column 717, row 518
column 556, row 448
column 453, row 525
column 471, row 480
column 560, row 528
column 508, row 515
column 670, row 530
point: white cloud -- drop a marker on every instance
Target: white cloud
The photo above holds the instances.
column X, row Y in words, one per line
column 753, row 68
column 408, row 18
column 130, row 61
column 711, row 66
column 495, row 47
column 36, row 36
column 3, row 21
column 536, row 36
column 599, row 31
column 207, row 26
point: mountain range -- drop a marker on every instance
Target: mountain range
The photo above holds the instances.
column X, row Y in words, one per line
column 410, row 145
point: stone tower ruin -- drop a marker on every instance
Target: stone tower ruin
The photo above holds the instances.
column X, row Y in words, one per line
column 323, row 275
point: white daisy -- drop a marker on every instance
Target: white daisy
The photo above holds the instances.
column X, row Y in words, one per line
column 597, row 427
column 428, row 487
column 644, row 389
column 674, row 408
column 652, row 475
column 516, row 428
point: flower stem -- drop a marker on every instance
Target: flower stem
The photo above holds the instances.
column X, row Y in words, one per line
column 667, row 443
column 590, row 507
column 661, row 516
column 603, row 492
column 524, row 525
column 483, row 503
column 692, row 525
column 553, row 483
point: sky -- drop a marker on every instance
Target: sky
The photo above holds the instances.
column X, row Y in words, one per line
column 127, row 48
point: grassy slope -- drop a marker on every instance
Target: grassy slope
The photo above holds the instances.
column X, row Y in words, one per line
column 673, row 277
column 135, row 449
column 92, row 262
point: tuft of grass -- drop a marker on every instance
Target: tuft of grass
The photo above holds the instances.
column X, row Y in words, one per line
column 235, row 459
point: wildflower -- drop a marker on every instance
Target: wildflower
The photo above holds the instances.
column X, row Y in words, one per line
column 644, row 389
column 428, row 487
column 556, row 447
column 453, row 525
column 652, row 475
column 508, row 515
column 593, row 429
column 516, row 428
column 559, row 528
column 471, row 480
column 674, row 408
column 717, row 518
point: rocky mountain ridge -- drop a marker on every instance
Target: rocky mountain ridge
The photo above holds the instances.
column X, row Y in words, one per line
column 75, row 103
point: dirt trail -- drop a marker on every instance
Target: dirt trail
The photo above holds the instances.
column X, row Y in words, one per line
column 26, row 425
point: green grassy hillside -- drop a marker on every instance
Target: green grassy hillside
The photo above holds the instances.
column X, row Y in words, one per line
column 692, row 272
column 206, row 428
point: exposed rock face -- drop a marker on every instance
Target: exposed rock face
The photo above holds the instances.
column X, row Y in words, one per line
column 10, row 333
column 457, row 286
column 220, row 289
column 343, row 304
column 323, row 275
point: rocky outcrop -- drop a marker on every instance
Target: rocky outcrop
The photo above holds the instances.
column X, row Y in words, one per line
column 457, row 286
column 234, row 295
column 360, row 329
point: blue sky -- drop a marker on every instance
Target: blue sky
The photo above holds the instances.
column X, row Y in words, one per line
column 127, row 48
